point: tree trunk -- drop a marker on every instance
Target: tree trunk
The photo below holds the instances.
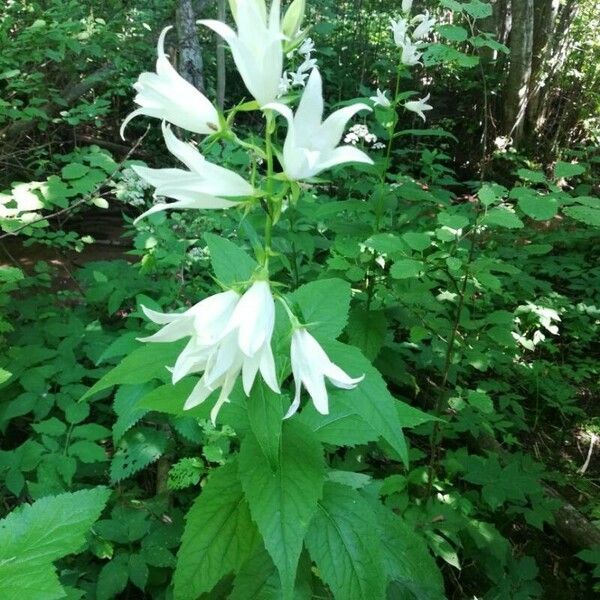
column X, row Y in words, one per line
column 557, row 51
column 221, row 73
column 191, row 67
column 516, row 94
column 496, row 25
column 545, row 13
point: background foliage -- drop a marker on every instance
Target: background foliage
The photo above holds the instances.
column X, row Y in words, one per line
column 467, row 273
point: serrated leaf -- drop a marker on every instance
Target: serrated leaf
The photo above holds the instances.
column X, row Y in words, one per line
column 142, row 365
column 502, row 217
column 127, row 409
column 265, row 414
column 565, row 170
column 138, row 448
column 585, row 214
column 33, row 536
column 113, row 577
column 219, row 535
column 324, row 305
column 229, row 262
column 74, row 171
column 366, row 330
column 540, row 208
column 342, row 540
column 283, row 498
column 408, row 563
column 406, row 268
column 371, row 399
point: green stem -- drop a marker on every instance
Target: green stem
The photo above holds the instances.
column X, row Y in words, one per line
column 270, row 211
column 391, row 131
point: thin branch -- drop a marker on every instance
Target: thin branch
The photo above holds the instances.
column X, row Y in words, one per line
column 86, row 198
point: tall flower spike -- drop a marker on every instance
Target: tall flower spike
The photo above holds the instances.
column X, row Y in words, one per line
column 311, row 145
column 256, row 47
column 310, row 367
column 202, row 187
column 168, row 96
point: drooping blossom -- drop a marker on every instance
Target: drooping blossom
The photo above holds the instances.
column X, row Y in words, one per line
column 168, row 96
column 229, row 335
column 311, row 146
column 410, row 54
column 256, row 46
column 380, row 99
column 400, row 30
column 310, row 367
column 407, row 6
column 424, row 27
column 418, row 106
column 204, row 186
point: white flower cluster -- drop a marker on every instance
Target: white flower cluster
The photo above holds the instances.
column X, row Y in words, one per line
column 360, row 132
column 130, row 188
column 230, row 333
column 410, row 43
column 298, row 79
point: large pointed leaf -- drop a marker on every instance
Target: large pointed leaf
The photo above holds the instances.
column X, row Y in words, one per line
column 33, row 536
column 265, row 414
column 324, row 304
column 283, row 498
column 370, row 400
column 218, row 538
column 343, row 542
column 144, row 364
column 408, row 563
column 229, row 262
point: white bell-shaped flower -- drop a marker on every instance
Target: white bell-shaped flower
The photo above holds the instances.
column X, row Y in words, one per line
column 410, row 54
column 229, row 334
column 419, row 106
column 168, row 96
column 311, row 146
column 204, row 186
column 407, row 6
column 424, row 27
column 257, row 47
column 310, row 367
column 380, row 99
column 399, row 30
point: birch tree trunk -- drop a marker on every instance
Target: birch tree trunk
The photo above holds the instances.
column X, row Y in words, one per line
column 191, row 67
column 516, row 94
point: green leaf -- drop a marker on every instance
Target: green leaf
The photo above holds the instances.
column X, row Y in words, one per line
column 324, row 305
column 33, row 536
column 127, row 409
column 142, row 365
column 265, row 414
column 283, row 498
column 113, row 578
column 585, row 214
column 74, row 171
column 565, row 170
column 540, row 208
column 502, row 217
column 406, row 268
column 229, row 262
column 454, row 33
column 366, row 330
column 370, row 400
column 138, row 448
column 417, row 241
column 343, row 542
column 219, row 535
column 533, row 176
